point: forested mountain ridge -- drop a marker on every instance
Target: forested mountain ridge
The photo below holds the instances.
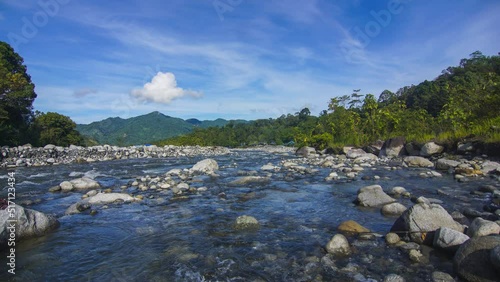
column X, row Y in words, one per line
column 142, row 129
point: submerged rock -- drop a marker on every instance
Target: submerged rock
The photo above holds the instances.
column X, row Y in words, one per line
column 30, row 223
column 248, row 179
column 246, row 222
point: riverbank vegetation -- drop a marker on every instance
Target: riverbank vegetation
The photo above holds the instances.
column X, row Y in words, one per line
column 462, row 102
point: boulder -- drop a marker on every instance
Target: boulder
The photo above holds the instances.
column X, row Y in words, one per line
column 246, row 222
column 481, row 227
column 489, row 166
column 207, row 166
column 449, row 239
column 472, row 262
column 421, row 220
column 30, row 223
column 431, row 149
column 412, row 149
column 375, row 147
column 352, row 226
column 354, row 153
column 373, row 196
column 66, row 186
column 393, row 209
column 413, row 161
column 392, row 238
column 84, row 183
column 445, row 164
column 248, row 180
column 393, row 147
column 107, row 198
column 77, row 208
column 305, row 151
column 338, row 246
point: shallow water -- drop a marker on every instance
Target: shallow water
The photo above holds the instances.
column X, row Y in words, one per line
column 193, row 239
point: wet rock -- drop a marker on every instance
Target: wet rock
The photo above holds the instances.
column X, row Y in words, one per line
column 77, row 208
column 398, row 190
column 438, row 276
column 449, row 239
column 373, row 196
column 393, row 147
column 246, row 222
column 480, row 227
column 338, row 246
column 394, row 278
column 430, row 149
column 268, row 167
column 392, row 238
column 54, row 189
column 66, row 186
column 248, row 180
column 473, row 262
column 413, row 161
column 445, row 164
column 84, row 183
column 305, row 151
column 393, row 209
column 108, row 198
column 421, row 219
column 352, row 226
column 207, row 166
column 30, row 223
column 416, row 256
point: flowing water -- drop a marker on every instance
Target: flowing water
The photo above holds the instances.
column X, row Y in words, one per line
column 194, row 239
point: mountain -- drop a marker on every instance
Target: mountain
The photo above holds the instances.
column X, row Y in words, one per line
column 143, row 129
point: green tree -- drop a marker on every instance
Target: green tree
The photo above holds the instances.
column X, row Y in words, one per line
column 57, row 129
column 17, row 94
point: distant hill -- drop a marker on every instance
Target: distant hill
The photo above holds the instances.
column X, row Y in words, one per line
column 143, row 129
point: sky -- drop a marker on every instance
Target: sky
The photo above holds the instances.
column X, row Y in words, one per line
column 235, row 59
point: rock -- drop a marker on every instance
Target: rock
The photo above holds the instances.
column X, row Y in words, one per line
column 248, row 179
column 30, row 223
column 375, row 148
column 77, row 208
column 352, row 226
column 398, row 190
column 208, row 166
column 54, row 189
column 449, row 239
column 373, row 196
column 354, row 153
column 183, row 186
column 392, row 238
column 365, row 158
column 421, row 219
column 246, row 222
column 393, row 147
column 91, row 193
column 66, row 186
column 412, row 149
column 465, row 147
column 338, row 246
column 489, row 166
column 413, row 161
column 481, row 227
column 415, row 256
column 495, row 257
column 430, row 149
column 394, row 278
column 473, row 262
column 85, row 183
column 438, row 276
column 107, row 198
column 49, row 147
column 445, row 164
column 487, row 189
column 268, row 167
column 305, row 151
column 393, row 209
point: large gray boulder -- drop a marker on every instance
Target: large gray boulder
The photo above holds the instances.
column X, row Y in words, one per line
column 414, row 161
column 30, row 223
column 430, row 149
column 373, row 196
column 393, row 209
column 421, row 220
column 354, row 153
column 481, row 227
column 472, row 262
column 393, row 147
column 445, row 164
column 207, row 166
column 449, row 239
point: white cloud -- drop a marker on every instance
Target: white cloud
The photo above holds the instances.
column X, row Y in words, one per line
column 79, row 93
column 163, row 89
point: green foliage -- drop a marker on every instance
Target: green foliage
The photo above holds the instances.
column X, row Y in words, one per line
column 17, row 94
column 57, row 129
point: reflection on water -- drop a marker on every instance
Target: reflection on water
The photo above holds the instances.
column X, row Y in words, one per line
column 162, row 239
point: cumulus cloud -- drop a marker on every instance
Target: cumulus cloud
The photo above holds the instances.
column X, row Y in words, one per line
column 163, row 89
column 84, row 92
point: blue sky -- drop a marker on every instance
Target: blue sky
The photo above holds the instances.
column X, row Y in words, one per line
column 235, row 59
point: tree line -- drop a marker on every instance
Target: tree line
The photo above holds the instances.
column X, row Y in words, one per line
column 464, row 101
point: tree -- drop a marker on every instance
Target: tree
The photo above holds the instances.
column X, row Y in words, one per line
column 57, row 129
column 17, row 94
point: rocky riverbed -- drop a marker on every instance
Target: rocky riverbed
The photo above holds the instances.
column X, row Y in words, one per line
column 263, row 214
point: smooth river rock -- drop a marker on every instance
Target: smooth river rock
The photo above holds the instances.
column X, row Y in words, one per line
column 449, row 239
column 107, row 198
column 338, row 246
column 352, row 226
column 481, row 227
column 413, row 161
column 207, row 166
column 373, row 196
